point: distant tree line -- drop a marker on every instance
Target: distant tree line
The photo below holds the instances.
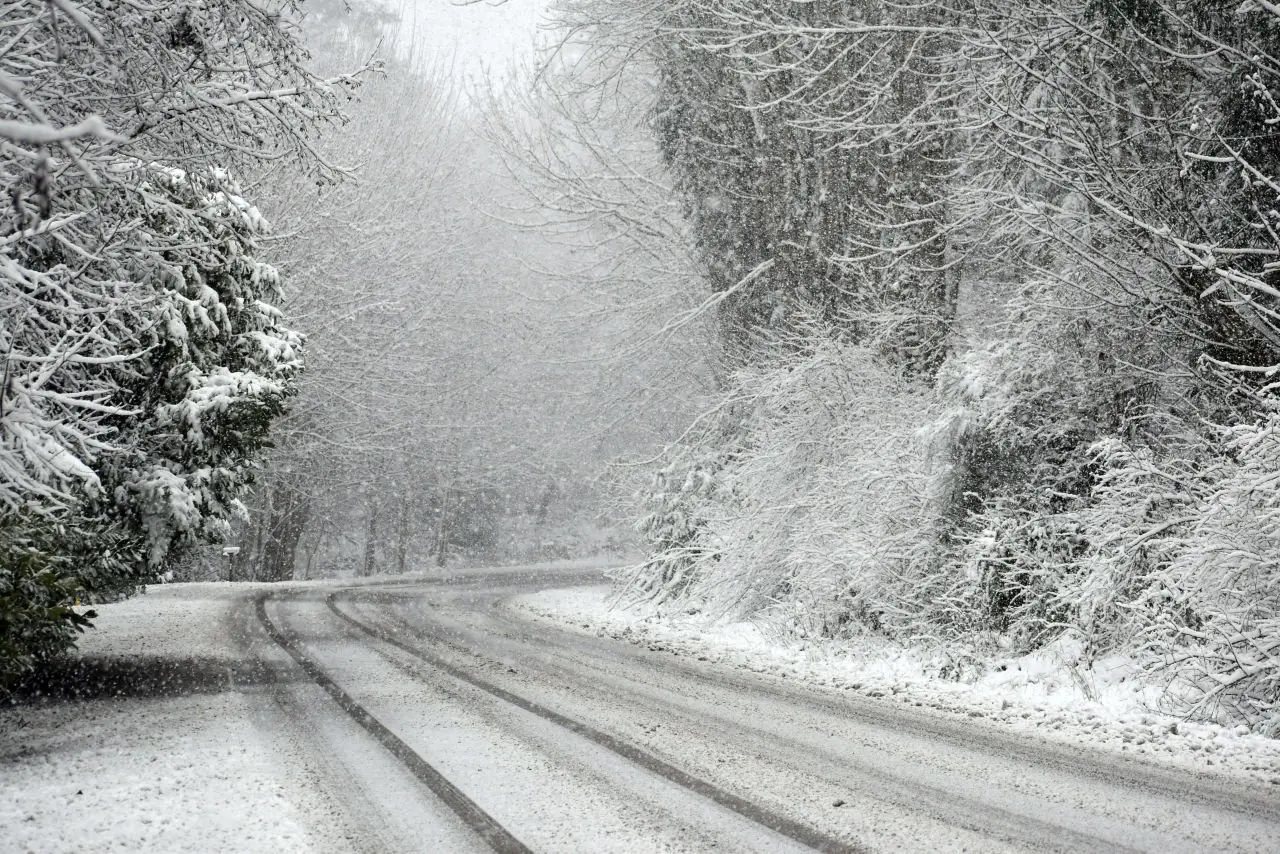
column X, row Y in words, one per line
column 458, row 400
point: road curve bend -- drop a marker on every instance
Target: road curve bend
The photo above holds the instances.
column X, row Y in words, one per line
column 535, row 738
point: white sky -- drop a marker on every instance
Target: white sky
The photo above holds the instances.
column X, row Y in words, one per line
column 475, row 36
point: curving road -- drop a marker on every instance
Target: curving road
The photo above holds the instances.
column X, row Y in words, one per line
column 445, row 721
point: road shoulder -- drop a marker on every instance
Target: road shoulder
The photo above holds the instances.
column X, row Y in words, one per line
column 152, row 739
column 1035, row 697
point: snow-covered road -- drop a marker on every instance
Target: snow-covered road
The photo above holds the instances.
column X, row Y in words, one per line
column 579, row 743
column 433, row 716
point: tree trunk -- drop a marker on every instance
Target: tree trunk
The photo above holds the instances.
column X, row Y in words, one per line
column 371, row 542
column 403, row 529
column 287, row 518
column 442, row 532
column 241, row 565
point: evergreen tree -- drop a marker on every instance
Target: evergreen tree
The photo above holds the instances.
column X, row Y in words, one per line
column 143, row 361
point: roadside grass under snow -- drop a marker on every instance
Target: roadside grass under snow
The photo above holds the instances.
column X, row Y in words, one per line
column 1047, row 693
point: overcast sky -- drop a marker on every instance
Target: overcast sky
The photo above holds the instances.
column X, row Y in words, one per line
column 476, row 36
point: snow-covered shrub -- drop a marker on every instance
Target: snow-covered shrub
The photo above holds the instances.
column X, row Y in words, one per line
column 673, row 528
column 192, row 366
column 804, row 498
column 141, row 359
column 1021, row 416
column 1180, row 568
column 1131, row 528
column 1212, row 610
column 836, row 511
column 1085, row 499
column 48, row 570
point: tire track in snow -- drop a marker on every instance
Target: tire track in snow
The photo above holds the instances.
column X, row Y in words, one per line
column 1126, row 772
column 1010, row 825
column 793, row 830
column 965, row 813
column 493, row 833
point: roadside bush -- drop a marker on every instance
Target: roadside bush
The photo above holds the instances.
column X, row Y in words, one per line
column 674, row 520
column 802, row 497
column 1029, row 498
column 49, row 575
column 1073, row 507
column 1212, row 626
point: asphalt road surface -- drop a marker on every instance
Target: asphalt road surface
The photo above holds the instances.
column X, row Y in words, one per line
column 441, row 720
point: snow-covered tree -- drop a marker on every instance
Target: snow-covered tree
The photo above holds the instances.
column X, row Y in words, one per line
column 143, row 361
column 447, row 368
column 1062, row 215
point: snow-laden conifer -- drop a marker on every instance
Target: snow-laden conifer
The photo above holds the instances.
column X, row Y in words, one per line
column 142, row 358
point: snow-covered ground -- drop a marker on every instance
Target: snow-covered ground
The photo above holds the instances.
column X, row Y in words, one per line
column 202, row 768
column 1045, row 694
column 188, row 766
column 184, row 772
column 174, row 774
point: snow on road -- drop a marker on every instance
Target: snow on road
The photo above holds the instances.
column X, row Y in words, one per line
column 195, row 766
column 189, row 772
column 1046, row 694
column 175, row 774
column 181, row 763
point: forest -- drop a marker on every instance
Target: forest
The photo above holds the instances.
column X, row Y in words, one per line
column 955, row 324
column 998, row 317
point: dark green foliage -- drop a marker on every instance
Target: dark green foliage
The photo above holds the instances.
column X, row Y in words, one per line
column 474, row 519
column 1146, row 16
column 143, row 360
column 214, row 369
column 756, row 191
column 50, row 572
column 1226, row 334
column 1226, row 196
